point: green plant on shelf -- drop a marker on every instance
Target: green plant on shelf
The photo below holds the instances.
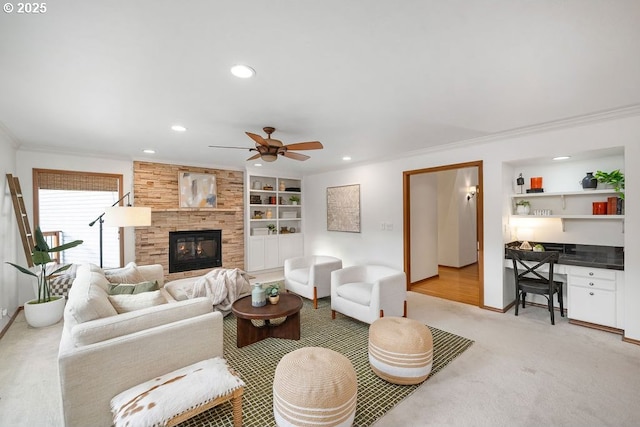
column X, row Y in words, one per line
column 614, row 178
column 523, row 203
column 294, row 199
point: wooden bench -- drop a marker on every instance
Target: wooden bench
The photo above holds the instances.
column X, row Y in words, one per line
column 179, row 395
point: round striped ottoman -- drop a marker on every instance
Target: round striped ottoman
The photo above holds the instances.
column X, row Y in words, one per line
column 400, row 350
column 314, row 386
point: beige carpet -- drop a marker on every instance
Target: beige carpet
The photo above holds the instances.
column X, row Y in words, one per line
column 520, row 371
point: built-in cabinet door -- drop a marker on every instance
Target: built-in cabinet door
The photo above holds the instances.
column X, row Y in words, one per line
column 592, row 305
column 271, row 251
column 291, row 246
column 255, row 253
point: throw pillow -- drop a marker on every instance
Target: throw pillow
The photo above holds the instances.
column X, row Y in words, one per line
column 125, row 288
column 125, row 303
column 127, row 274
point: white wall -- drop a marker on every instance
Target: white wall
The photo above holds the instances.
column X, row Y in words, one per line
column 381, row 193
column 26, row 161
column 8, row 233
column 424, row 226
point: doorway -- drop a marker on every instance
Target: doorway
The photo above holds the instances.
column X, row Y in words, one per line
column 463, row 284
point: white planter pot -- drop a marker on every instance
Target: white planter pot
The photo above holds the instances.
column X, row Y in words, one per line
column 522, row 210
column 44, row 314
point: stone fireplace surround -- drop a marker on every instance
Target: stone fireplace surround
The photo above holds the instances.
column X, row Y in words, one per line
column 155, row 185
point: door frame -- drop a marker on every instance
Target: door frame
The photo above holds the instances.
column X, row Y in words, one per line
column 406, row 217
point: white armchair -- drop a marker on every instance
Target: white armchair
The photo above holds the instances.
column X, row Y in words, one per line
column 368, row 292
column 310, row 276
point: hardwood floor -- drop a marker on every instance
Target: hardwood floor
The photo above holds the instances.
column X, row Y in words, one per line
column 456, row 284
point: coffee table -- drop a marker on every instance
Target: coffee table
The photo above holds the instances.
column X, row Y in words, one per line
column 289, row 306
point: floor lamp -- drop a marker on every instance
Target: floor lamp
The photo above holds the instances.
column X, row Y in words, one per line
column 122, row 216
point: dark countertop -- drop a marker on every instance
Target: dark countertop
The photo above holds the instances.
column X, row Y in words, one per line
column 608, row 257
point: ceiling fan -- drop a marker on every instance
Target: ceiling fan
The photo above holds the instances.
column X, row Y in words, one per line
column 268, row 149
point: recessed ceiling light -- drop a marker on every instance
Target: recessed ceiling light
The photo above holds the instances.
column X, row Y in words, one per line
column 257, row 164
column 346, row 158
column 242, row 71
column 149, row 151
column 562, row 158
column 178, row 128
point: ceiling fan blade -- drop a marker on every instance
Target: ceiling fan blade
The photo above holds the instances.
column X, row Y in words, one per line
column 226, row 146
column 311, row 145
column 257, row 138
column 295, row 156
column 255, row 156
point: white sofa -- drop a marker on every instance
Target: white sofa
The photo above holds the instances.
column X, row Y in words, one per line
column 103, row 353
column 310, row 276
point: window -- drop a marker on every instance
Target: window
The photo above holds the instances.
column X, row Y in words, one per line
column 66, row 202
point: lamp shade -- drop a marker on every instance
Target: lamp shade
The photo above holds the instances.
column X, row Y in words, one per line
column 127, row 216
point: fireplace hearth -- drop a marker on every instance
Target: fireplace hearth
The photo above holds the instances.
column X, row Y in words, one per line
column 194, row 250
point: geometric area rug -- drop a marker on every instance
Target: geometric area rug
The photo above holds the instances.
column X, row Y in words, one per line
column 256, row 365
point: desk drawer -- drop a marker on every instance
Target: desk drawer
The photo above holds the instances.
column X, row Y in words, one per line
column 591, row 282
column 592, row 305
column 596, row 273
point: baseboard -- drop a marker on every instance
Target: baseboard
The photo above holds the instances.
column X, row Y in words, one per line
column 599, row 327
column 630, row 340
column 11, row 320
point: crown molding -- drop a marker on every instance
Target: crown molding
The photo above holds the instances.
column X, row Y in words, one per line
column 10, row 137
column 586, row 119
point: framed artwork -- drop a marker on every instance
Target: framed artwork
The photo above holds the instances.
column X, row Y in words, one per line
column 197, row 190
column 343, row 208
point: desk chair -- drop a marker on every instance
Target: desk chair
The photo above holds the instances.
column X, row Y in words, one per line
column 531, row 278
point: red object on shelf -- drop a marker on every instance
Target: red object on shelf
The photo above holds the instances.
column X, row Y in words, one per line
column 612, row 205
column 600, row 208
column 536, row 182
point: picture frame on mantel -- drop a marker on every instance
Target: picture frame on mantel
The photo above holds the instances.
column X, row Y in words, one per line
column 343, row 208
column 197, row 190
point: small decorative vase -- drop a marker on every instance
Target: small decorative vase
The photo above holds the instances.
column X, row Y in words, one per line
column 282, row 186
column 258, row 297
column 274, row 299
column 589, row 182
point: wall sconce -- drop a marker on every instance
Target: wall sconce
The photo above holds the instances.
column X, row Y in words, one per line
column 471, row 191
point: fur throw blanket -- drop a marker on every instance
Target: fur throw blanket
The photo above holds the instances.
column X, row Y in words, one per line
column 222, row 286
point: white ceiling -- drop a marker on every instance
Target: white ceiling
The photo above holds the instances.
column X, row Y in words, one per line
column 369, row 79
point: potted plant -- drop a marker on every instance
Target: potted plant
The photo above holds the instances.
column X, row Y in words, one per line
column 523, row 207
column 272, row 228
column 273, row 293
column 45, row 310
column 614, row 178
column 294, row 199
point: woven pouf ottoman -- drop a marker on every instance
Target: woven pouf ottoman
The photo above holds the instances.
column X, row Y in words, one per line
column 314, row 386
column 400, row 350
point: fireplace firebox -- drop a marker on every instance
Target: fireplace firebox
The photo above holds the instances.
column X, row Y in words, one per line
column 194, row 250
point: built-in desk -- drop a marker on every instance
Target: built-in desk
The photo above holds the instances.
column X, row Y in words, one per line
column 594, row 280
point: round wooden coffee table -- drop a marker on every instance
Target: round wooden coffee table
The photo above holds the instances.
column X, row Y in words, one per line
column 289, row 306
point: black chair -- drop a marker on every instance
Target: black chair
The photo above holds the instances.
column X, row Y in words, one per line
column 529, row 278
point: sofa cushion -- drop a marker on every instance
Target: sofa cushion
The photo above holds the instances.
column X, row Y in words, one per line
column 300, row 275
column 139, row 320
column 358, row 292
column 127, row 274
column 88, row 298
column 125, row 303
column 138, row 288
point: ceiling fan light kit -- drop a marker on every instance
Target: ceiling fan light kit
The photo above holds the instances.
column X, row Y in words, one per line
column 268, row 149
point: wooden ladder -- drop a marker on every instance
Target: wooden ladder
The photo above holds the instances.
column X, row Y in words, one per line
column 21, row 216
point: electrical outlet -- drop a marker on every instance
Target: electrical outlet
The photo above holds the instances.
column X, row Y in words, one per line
column 4, row 312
